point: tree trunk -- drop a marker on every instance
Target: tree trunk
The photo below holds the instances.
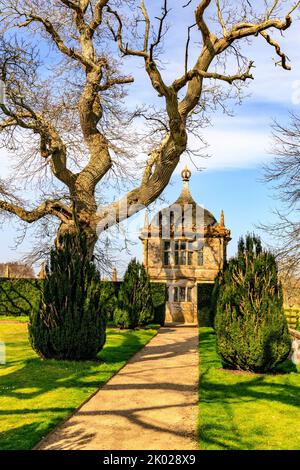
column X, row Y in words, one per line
column 73, row 228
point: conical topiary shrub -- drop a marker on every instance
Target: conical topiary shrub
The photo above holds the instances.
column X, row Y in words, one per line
column 135, row 305
column 251, row 327
column 69, row 323
column 126, row 313
column 145, row 301
column 109, row 299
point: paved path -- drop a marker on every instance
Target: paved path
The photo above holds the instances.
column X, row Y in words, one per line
column 150, row 404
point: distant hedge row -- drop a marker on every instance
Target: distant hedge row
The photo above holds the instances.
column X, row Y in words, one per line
column 20, row 296
column 159, row 295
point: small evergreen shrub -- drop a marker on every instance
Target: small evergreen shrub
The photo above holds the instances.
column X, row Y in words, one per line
column 69, row 323
column 144, row 300
column 159, row 295
column 126, row 312
column 109, row 299
column 122, row 319
column 135, row 306
column 251, row 327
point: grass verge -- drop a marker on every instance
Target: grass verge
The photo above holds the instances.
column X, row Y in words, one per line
column 243, row 411
column 35, row 394
column 16, row 318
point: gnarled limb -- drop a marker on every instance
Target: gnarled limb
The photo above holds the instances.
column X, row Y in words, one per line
column 181, row 82
column 55, row 208
column 220, row 16
column 243, row 30
column 118, row 37
column 49, row 27
column 51, row 143
column 199, row 16
column 98, row 15
column 283, row 57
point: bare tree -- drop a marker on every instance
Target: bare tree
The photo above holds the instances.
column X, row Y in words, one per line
column 71, row 126
column 284, row 173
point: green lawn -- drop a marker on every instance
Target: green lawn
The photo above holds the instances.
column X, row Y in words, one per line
column 10, row 318
column 246, row 411
column 36, row 394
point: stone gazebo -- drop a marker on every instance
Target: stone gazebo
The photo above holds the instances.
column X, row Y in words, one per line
column 184, row 246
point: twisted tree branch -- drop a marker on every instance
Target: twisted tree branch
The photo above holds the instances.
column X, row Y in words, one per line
column 55, row 208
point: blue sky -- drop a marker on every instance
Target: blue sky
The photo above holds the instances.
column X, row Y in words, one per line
column 238, row 145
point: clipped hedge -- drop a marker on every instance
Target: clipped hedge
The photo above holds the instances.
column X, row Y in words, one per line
column 159, row 296
column 19, row 296
column 109, row 298
column 135, row 305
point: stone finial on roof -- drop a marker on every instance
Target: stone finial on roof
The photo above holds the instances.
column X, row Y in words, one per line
column 185, row 196
column 146, row 220
column 114, row 275
column 7, row 271
column 42, row 273
column 222, row 219
column 186, row 174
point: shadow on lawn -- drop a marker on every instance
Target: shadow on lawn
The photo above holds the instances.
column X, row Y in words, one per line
column 46, row 375
column 26, row 436
column 219, row 389
column 35, row 379
column 19, row 437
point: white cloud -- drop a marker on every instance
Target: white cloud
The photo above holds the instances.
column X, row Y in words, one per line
column 236, row 148
column 233, row 143
column 232, row 150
